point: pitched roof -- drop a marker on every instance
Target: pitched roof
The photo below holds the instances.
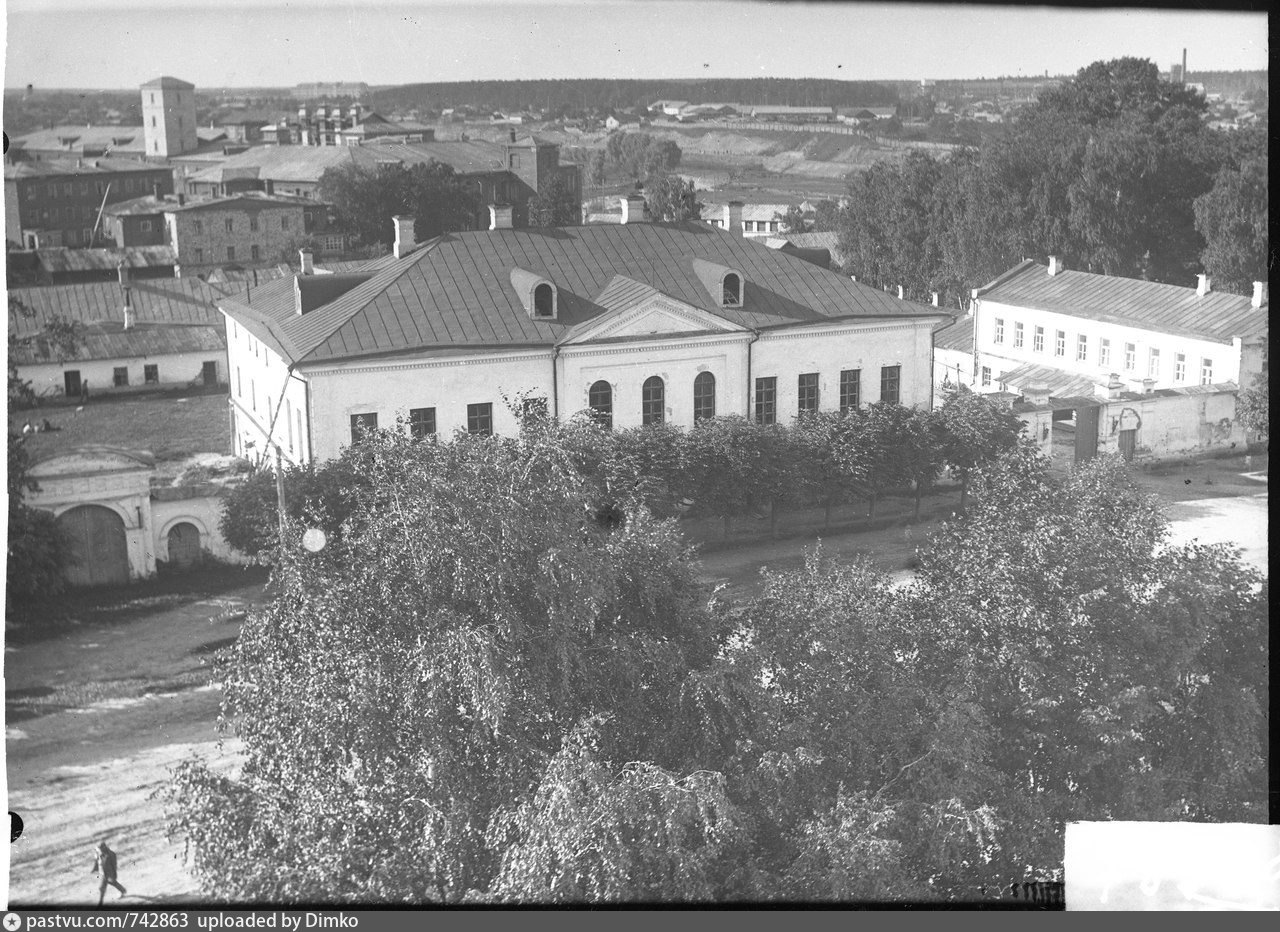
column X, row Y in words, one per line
column 244, row 200
column 1061, row 383
column 1130, row 302
column 57, row 168
column 65, row 259
column 166, row 81
column 147, row 205
column 956, row 336
column 114, row 342
column 455, row 292
column 185, row 301
column 120, row 138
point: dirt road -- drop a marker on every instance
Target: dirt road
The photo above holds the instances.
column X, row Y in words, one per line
column 94, row 720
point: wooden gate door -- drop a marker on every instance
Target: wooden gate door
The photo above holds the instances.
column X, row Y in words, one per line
column 1128, row 442
column 71, row 382
column 209, row 373
column 99, row 551
column 1086, row 434
column 184, row 544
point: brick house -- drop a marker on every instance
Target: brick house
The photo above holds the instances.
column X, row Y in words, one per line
column 247, row 229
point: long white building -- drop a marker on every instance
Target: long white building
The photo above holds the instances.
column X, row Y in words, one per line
column 639, row 322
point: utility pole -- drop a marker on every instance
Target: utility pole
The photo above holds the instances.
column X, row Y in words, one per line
column 280, row 488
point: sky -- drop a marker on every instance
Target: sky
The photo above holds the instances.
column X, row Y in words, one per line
column 247, row 43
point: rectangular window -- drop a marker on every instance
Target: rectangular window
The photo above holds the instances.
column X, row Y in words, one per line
column 1037, row 343
column 284, row 223
column 231, row 225
column 1082, row 347
column 1060, row 343
column 199, row 255
column 1019, row 333
column 1206, row 372
column 766, row 400
column 151, row 374
column 254, row 253
column 144, row 226
column 422, row 422
column 288, row 422
column 239, row 387
column 986, row 376
column 998, row 337
column 197, row 226
column 850, row 390
column 253, row 225
column 120, row 376
column 1153, row 363
column 68, row 188
column 1180, row 367
column 890, row 383
column 299, row 416
column 480, row 419
column 808, row 391
column 362, row 424
column 231, row 254
column 1130, row 357
column 1104, row 352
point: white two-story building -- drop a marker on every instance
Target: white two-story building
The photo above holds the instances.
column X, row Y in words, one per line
column 1075, row 330
column 638, row 322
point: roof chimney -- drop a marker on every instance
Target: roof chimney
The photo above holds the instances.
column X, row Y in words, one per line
column 155, row 190
column 511, row 134
column 1148, row 386
column 900, row 294
column 1111, row 391
column 933, row 298
column 405, row 240
column 1055, row 265
column 307, row 263
column 1259, row 294
column 1202, row 285
column 128, row 310
column 733, row 217
column 182, row 199
column 633, row 208
column 122, row 272
column 500, row 216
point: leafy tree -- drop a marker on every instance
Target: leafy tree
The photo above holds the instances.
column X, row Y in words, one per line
column 671, row 197
column 793, row 221
column 1253, row 406
column 365, row 200
column 1233, row 219
column 411, row 685
column 897, row 446
column 555, row 204
column 1093, row 655
column 975, row 431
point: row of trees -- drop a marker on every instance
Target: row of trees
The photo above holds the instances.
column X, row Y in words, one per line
column 1114, row 171
column 500, row 681
column 727, row 466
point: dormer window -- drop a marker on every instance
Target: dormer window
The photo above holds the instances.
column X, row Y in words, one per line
column 544, row 301
column 732, row 290
column 538, row 295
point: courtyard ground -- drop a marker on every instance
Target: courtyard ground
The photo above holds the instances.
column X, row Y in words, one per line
column 97, row 712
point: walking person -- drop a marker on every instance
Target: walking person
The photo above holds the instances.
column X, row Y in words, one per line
column 104, row 862
column 84, row 391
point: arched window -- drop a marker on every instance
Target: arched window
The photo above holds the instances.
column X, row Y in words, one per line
column 653, row 401
column 732, row 290
column 600, row 400
column 704, row 396
column 544, row 301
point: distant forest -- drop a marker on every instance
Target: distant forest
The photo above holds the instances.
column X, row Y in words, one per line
column 606, row 93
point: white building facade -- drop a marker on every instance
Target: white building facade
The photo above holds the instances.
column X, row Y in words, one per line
column 639, row 322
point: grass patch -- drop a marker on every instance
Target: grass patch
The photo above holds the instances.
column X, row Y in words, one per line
column 171, row 426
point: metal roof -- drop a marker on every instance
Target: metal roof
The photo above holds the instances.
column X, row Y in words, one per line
column 456, row 291
column 1129, row 302
column 187, row 301
column 165, row 81
column 75, row 167
column 119, row 138
column 957, row 336
column 1060, row 382
column 56, row 259
column 115, row 342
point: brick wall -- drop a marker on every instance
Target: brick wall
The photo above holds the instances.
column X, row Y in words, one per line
column 203, row 237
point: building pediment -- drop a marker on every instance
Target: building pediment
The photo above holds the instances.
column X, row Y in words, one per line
column 92, row 459
column 653, row 316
